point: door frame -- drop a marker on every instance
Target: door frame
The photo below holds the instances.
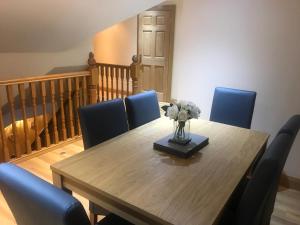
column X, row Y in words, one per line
column 172, row 10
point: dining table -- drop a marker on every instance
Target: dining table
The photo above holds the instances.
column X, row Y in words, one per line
column 126, row 176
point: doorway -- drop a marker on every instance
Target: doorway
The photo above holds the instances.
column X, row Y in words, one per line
column 155, row 48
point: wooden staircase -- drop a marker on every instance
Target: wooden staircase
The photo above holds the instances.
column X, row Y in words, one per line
column 41, row 111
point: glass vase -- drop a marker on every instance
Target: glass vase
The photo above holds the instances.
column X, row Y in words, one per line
column 181, row 134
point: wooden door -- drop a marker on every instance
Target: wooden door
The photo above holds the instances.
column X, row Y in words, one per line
column 155, row 47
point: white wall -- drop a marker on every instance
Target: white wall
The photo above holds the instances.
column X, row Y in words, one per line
column 246, row 44
column 117, row 44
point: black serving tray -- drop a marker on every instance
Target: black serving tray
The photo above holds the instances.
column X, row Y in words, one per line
column 183, row 151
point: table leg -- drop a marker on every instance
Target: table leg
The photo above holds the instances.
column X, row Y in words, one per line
column 58, row 182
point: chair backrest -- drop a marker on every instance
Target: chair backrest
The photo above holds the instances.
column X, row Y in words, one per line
column 279, row 149
column 291, row 127
column 102, row 121
column 142, row 108
column 258, row 199
column 33, row 201
column 254, row 201
column 233, row 107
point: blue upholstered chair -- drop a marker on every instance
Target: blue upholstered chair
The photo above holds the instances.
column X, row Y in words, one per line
column 34, row 201
column 102, row 121
column 257, row 200
column 99, row 123
column 291, row 127
column 233, row 107
column 283, row 142
column 142, row 108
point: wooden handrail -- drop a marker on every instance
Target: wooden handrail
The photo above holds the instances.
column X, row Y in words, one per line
column 112, row 65
column 107, row 77
column 44, row 112
column 38, row 108
column 49, row 77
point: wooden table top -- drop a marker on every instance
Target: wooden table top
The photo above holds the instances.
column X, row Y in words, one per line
column 162, row 187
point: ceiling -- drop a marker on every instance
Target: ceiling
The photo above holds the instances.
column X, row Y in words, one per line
column 57, row 25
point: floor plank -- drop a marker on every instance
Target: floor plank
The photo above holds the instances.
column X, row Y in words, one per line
column 286, row 212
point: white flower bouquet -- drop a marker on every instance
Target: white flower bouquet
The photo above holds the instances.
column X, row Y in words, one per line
column 181, row 112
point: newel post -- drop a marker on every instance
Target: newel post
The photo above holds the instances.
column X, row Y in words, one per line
column 135, row 73
column 93, row 81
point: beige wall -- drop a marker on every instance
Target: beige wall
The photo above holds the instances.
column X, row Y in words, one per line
column 117, row 44
column 248, row 44
column 55, row 25
column 14, row 65
column 34, row 41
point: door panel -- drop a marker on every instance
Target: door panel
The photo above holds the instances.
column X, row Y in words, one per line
column 158, row 80
column 159, row 44
column 155, row 45
column 147, row 20
column 147, row 43
column 160, row 20
column 145, row 78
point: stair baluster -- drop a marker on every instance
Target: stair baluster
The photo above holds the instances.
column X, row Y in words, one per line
column 84, row 90
column 112, row 72
column 53, row 106
column 25, row 123
column 70, row 108
column 14, row 137
column 77, row 105
column 62, row 109
column 122, row 82
column 34, row 112
column 5, row 156
column 117, row 81
column 102, row 81
column 107, row 71
column 127, row 81
column 45, row 116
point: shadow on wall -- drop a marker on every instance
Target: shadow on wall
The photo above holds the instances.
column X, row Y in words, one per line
column 67, row 69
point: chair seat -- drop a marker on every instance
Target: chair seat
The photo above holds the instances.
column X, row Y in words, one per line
column 113, row 219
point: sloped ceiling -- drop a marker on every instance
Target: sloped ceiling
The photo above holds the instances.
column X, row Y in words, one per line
column 56, row 25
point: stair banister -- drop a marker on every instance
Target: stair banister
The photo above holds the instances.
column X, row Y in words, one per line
column 41, row 111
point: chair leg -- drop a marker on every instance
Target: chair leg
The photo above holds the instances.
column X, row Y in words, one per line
column 93, row 218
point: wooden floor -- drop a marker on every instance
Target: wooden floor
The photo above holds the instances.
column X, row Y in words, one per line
column 287, row 207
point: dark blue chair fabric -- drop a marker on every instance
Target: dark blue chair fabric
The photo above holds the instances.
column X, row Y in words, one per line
column 278, row 151
column 257, row 200
column 142, row 108
column 102, row 121
column 233, row 107
column 292, row 126
column 36, row 202
column 99, row 123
